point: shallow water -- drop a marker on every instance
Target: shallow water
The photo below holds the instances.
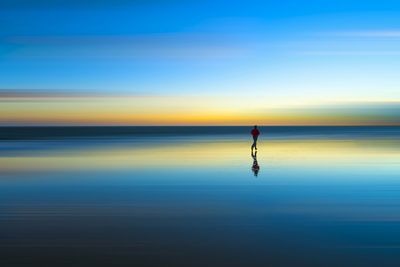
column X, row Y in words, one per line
column 322, row 197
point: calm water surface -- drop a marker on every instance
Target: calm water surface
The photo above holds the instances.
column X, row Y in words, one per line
column 325, row 196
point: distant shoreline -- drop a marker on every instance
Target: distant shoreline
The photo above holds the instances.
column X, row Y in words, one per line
column 61, row 132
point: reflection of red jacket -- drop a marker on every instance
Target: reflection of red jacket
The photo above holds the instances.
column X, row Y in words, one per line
column 255, row 167
column 255, row 132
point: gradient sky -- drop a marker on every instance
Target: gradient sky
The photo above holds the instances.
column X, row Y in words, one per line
column 175, row 62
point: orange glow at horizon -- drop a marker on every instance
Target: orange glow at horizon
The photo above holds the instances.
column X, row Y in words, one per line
column 153, row 110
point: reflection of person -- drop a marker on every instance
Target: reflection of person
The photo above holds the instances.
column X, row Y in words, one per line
column 255, row 168
column 255, row 133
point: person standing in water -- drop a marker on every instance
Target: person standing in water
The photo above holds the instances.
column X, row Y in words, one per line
column 255, row 133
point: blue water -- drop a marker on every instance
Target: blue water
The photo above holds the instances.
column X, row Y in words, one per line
column 187, row 196
column 81, row 132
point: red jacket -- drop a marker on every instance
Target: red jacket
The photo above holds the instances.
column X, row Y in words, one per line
column 255, row 132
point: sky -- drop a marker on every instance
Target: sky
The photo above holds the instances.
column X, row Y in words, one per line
column 176, row 62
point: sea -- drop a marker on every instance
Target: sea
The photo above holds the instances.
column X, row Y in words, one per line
column 198, row 196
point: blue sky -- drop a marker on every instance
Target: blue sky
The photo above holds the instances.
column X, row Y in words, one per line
column 275, row 52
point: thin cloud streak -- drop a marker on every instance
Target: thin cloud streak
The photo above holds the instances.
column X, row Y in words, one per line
column 29, row 4
column 368, row 34
column 29, row 95
column 348, row 53
column 378, row 43
column 148, row 46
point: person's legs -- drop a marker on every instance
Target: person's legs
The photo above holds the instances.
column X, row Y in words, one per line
column 254, row 145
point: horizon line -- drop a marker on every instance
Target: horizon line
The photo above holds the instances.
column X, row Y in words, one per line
column 249, row 125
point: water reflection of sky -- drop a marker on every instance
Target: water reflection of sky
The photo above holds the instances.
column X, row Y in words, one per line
column 315, row 202
column 230, row 156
